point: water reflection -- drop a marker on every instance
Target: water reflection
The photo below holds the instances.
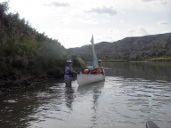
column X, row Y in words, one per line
column 146, row 70
column 90, row 88
column 95, row 90
column 69, row 97
column 16, row 106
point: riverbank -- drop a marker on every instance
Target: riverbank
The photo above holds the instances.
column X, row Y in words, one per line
column 7, row 86
column 114, row 60
column 160, row 59
column 156, row 59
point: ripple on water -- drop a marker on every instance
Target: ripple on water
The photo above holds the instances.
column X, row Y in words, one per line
column 116, row 103
column 10, row 101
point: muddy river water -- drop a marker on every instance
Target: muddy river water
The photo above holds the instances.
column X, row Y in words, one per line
column 132, row 94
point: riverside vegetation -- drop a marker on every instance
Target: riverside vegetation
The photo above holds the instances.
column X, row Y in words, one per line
column 26, row 54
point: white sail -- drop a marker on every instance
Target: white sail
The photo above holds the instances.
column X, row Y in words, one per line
column 94, row 61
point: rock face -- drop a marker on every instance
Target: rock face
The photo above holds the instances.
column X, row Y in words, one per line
column 130, row 48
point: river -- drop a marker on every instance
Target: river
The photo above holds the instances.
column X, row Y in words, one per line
column 132, row 94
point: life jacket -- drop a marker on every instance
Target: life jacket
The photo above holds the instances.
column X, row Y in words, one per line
column 94, row 71
column 86, row 71
column 68, row 73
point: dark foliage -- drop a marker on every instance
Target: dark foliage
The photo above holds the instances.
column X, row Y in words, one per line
column 25, row 52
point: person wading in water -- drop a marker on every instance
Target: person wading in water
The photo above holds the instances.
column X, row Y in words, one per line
column 69, row 74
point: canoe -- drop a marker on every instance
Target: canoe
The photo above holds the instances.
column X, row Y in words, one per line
column 84, row 79
column 95, row 74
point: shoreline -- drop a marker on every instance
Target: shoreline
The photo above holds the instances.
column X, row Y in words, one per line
column 167, row 59
column 7, row 86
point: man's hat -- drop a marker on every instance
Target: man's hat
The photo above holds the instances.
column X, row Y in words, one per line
column 69, row 61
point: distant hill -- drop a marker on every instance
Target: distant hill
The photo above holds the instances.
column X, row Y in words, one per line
column 130, row 48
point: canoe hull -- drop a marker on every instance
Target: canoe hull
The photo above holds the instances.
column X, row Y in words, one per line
column 84, row 79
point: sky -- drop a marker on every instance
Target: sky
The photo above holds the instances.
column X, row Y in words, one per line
column 73, row 22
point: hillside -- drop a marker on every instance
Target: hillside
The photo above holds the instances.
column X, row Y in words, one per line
column 130, row 48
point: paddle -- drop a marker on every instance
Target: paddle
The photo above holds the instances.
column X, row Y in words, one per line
column 151, row 124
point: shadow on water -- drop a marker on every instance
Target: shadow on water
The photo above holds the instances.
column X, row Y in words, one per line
column 16, row 108
column 69, row 97
column 146, row 70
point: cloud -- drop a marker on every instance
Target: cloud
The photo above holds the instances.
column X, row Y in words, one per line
column 143, row 31
column 58, row 4
column 164, row 2
column 137, row 32
column 111, row 20
column 162, row 22
column 148, row 0
column 103, row 10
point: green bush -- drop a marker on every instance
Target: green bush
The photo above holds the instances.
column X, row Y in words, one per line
column 32, row 52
